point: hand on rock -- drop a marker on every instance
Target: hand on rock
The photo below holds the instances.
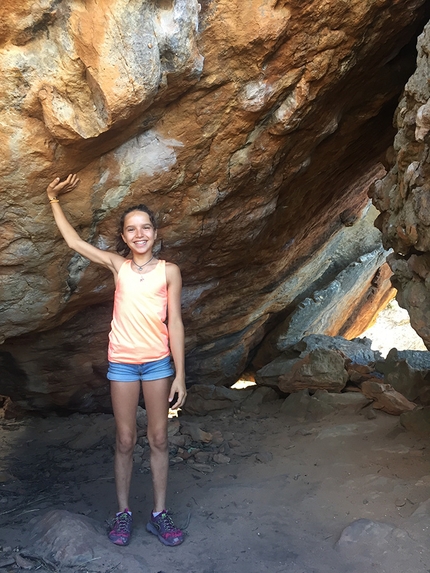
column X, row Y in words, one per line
column 58, row 187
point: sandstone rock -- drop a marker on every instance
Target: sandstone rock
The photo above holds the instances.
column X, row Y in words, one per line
column 203, row 399
column 407, row 371
column 402, row 197
column 202, row 457
column 72, row 540
column 370, row 537
column 184, row 454
column 358, row 351
column 6, row 561
column 417, row 421
column 341, row 401
column 302, row 406
column 424, row 396
column 359, row 372
column 258, row 397
column 332, row 310
column 270, row 373
column 196, row 433
column 221, row 459
column 12, row 410
column 296, row 405
column 320, row 369
column 359, row 357
column 173, row 426
column 217, row 437
column 138, row 450
column 177, row 440
column 365, row 543
column 203, row 468
column 102, row 428
column 318, row 409
column 257, row 165
column 419, row 523
column 264, row 457
column 386, row 398
column 233, row 443
column 370, row 413
column 141, row 418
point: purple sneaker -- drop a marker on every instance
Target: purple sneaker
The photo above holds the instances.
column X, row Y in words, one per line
column 163, row 527
column 121, row 528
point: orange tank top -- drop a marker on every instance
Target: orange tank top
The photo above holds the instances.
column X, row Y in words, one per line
column 138, row 328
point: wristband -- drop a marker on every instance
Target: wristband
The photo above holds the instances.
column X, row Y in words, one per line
column 54, row 200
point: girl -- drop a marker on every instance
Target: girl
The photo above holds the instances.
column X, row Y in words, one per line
column 140, row 344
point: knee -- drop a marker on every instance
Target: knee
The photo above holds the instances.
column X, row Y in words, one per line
column 158, row 440
column 125, row 442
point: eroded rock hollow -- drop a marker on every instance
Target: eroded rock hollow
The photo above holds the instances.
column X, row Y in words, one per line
column 253, row 131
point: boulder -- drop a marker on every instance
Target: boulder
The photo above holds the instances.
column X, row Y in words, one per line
column 296, row 405
column 202, row 399
column 320, row 369
column 407, row 371
column 302, row 406
column 360, row 372
column 357, row 351
column 259, row 396
column 270, row 373
column 351, row 401
column 365, row 542
column 195, row 432
column 71, row 540
column 417, row 421
column 101, row 429
column 386, row 398
column 359, row 358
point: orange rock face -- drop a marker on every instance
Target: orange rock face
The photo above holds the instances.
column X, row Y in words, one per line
column 253, row 133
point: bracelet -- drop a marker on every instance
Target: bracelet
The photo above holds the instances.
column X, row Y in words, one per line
column 54, row 200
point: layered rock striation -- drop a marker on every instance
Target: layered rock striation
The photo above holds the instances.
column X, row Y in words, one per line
column 254, row 134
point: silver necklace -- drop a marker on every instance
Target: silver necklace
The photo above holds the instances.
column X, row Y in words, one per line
column 140, row 267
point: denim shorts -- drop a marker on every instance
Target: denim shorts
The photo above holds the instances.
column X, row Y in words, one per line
column 148, row 371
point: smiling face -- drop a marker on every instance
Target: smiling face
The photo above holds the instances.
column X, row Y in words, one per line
column 139, row 233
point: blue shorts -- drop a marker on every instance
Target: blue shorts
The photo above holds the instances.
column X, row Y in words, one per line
column 145, row 372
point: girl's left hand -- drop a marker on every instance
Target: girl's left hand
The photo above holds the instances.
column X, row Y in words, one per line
column 58, row 187
column 178, row 387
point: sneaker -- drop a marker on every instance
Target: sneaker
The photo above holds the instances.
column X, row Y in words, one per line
column 121, row 528
column 163, row 527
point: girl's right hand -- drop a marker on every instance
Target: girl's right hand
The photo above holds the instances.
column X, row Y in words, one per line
column 57, row 187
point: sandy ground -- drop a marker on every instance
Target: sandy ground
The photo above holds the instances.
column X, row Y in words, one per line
column 280, row 505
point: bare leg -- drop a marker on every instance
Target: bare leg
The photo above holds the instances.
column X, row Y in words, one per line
column 125, row 397
column 156, row 396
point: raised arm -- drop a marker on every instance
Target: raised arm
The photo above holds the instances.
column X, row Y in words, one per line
column 176, row 333
column 54, row 190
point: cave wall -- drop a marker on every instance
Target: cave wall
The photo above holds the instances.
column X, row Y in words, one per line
column 254, row 131
column 402, row 196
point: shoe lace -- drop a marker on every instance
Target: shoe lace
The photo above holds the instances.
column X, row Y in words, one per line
column 122, row 523
column 166, row 522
